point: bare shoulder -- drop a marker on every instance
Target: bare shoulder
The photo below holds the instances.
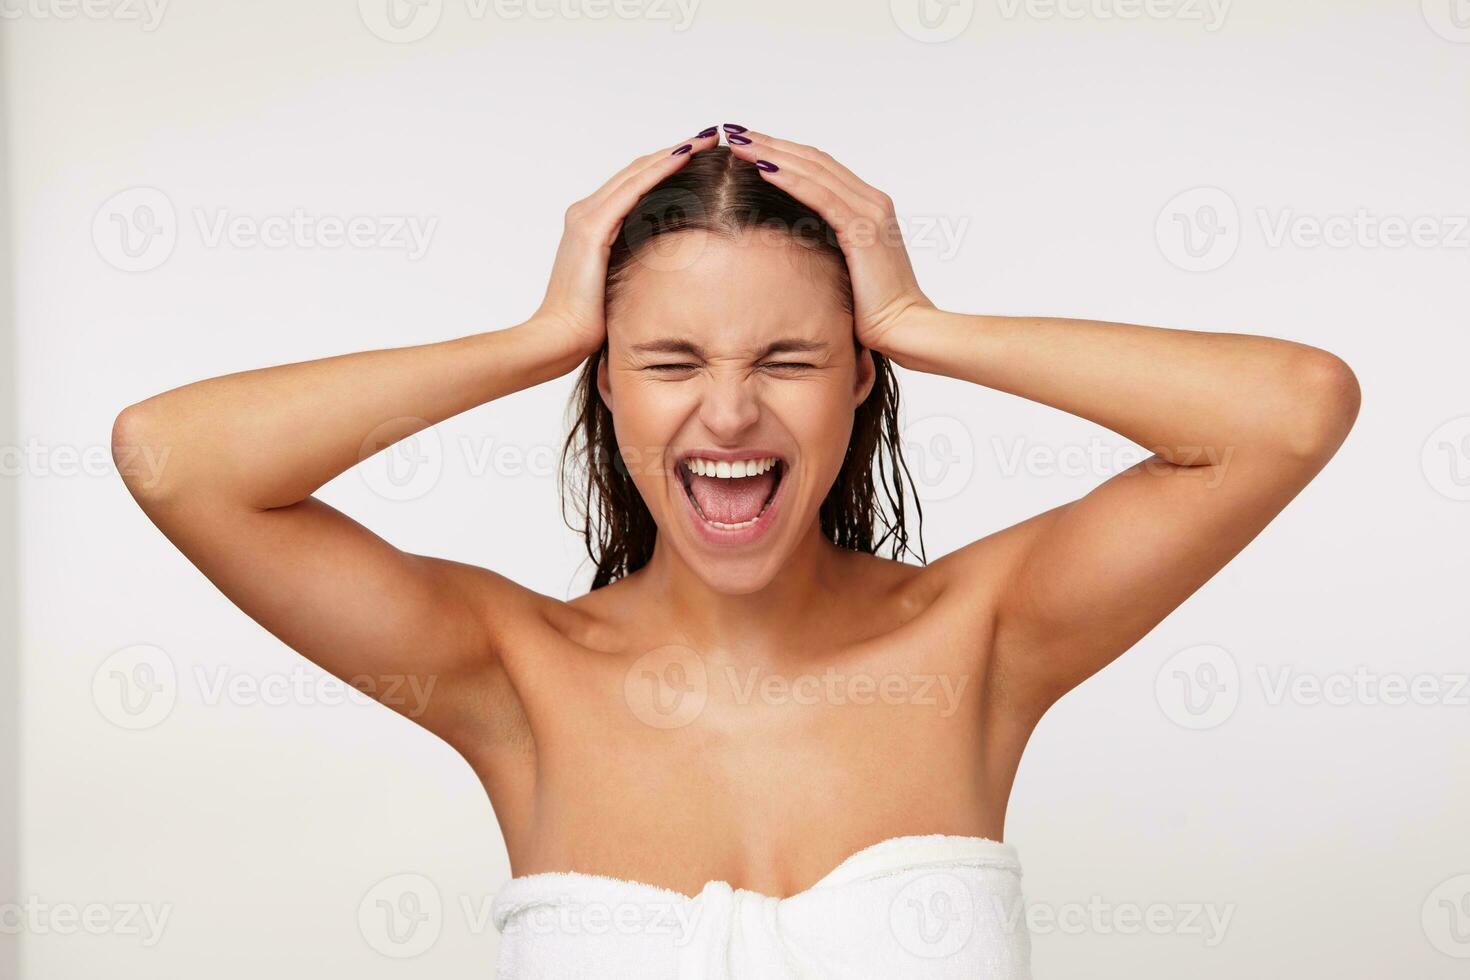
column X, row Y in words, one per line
column 508, row 610
column 945, row 601
column 597, row 620
column 524, row 630
column 975, row 576
column 956, row 603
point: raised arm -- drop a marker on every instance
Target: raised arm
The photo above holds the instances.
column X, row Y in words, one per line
column 1238, row 426
column 243, row 453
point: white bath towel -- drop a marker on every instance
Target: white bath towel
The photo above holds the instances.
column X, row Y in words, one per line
column 908, row 908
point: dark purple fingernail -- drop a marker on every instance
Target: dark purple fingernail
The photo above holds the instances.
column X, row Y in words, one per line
column 734, row 128
column 706, row 133
column 737, row 139
column 683, row 149
column 767, row 166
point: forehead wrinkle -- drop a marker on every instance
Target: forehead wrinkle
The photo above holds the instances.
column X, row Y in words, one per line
column 682, row 345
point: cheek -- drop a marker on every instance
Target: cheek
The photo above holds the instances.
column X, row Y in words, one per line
column 819, row 417
column 646, row 422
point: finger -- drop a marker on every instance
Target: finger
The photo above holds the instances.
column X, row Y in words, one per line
column 825, row 160
column 809, row 183
column 800, row 169
column 608, row 212
column 802, row 166
column 708, row 138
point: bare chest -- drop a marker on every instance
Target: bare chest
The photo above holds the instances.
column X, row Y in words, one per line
column 675, row 764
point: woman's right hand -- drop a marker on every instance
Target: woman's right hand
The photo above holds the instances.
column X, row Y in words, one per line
column 573, row 306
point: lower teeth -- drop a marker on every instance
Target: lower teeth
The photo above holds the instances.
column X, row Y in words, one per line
column 734, row 527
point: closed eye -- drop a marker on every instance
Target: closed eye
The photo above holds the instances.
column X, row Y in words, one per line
column 770, row 365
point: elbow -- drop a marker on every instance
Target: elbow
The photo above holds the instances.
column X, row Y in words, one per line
column 140, row 453
column 1325, row 403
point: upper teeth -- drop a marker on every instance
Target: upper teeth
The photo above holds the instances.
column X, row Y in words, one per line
column 725, row 470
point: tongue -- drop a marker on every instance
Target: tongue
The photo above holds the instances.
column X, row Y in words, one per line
column 732, row 501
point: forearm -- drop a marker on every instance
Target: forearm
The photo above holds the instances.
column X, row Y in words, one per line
column 1192, row 397
column 270, row 437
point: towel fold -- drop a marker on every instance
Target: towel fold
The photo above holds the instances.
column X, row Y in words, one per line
column 930, row 907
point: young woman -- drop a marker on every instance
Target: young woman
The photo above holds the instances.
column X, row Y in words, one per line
column 772, row 751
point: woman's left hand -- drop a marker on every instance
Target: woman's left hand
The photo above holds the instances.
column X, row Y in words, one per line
column 884, row 288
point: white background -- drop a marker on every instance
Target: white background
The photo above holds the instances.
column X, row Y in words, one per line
column 1050, row 144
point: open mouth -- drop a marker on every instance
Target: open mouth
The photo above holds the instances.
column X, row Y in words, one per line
column 731, row 495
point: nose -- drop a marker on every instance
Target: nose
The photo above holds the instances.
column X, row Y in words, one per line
column 729, row 406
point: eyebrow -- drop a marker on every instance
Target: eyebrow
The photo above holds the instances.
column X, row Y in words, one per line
column 674, row 345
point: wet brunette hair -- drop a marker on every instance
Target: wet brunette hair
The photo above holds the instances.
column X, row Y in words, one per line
column 718, row 193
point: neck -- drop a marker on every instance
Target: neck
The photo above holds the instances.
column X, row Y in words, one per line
column 766, row 619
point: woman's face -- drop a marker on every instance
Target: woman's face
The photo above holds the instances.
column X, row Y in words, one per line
column 732, row 379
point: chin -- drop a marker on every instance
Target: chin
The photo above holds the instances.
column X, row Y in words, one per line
column 734, row 576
